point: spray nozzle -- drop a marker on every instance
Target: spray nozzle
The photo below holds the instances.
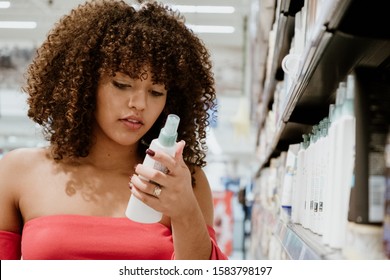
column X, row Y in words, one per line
column 168, row 133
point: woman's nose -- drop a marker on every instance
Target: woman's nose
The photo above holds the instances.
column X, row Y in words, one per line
column 137, row 100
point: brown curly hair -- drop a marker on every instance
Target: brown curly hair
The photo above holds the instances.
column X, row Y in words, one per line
column 103, row 37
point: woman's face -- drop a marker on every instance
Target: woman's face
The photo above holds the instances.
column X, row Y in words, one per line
column 127, row 108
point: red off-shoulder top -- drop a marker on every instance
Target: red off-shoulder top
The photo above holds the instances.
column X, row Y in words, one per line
column 78, row 237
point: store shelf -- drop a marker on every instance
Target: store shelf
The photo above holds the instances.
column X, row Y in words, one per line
column 301, row 244
column 285, row 134
column 326, row 63
column 362, row 19
column 339, row 45
column 346, row 41
column 285, row 30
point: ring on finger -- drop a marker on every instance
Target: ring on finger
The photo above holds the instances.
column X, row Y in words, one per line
column 157, row 191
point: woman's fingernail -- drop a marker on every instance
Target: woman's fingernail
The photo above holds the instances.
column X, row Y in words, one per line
column 131, row 185
column 150, row 152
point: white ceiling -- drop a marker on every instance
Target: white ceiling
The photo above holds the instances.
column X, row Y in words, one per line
column 47, row 12
column 226, row 49
column 226, row 52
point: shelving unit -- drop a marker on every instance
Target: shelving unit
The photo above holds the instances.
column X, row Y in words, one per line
column 301, row 244
column 342, row 42
column 285, row 26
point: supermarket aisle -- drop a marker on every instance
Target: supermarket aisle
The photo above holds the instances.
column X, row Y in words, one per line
column 294, row 79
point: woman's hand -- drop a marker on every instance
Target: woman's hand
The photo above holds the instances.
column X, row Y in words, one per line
column 176, row 198
column 190, row 209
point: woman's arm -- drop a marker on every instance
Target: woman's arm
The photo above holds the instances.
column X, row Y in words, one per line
column 190, row 235
column 10, row 219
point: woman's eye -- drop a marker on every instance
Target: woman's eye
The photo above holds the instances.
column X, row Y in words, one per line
column 157, row 93
column 120, row 85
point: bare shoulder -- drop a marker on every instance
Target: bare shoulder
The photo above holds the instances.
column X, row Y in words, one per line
column 25, row 153
column 22, row 156
column 14, row 166
column 17, row 162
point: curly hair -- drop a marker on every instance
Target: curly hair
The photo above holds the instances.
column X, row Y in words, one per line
column 103, row 37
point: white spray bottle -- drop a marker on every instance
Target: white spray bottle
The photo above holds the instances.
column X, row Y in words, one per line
column 166, row 142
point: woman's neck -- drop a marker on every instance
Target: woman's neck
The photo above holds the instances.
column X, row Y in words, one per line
column 109, row 156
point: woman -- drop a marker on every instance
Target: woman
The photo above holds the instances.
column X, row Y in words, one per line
column 101, row 86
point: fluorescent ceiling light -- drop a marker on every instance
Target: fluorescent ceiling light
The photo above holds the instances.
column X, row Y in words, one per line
column 5, row 4
column 18, row 24
column 204, row 9
column 211, row 28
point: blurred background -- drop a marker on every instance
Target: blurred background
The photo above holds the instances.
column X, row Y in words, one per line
column 279, row 67
column 221, row 24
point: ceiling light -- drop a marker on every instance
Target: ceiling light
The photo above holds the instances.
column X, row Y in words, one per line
column 5, row 4
column 204, row 9
column 211, row 28
column 18, row 24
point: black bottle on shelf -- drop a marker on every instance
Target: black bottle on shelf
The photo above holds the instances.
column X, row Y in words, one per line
column 372, row 103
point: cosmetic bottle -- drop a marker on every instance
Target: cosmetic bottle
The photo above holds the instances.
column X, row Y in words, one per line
column 345, row 162
column 303, row 178
column 313, row 175
column 368, row 192
column 288, row 179
column 329, row 213
column 299, row 190
column 372, row 104
column 309, row 160
column 322, row 151
column 166, row 142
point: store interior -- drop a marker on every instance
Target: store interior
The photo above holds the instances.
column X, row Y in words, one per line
column 278, row 66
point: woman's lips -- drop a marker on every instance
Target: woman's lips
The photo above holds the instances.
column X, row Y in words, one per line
column 132, row 124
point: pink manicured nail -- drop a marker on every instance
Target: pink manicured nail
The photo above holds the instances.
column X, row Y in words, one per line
column 150, row 152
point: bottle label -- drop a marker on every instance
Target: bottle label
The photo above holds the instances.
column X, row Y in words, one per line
column 160, row 167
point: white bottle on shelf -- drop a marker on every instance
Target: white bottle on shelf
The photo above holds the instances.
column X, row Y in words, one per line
column 299, row 192
column 323, row 174
column 345, row 160
column 330, row 213
column 288, row 178
column 318, row 186
column 309, row 170
column 313, row 176
column 166, row 141
column 327, row 191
